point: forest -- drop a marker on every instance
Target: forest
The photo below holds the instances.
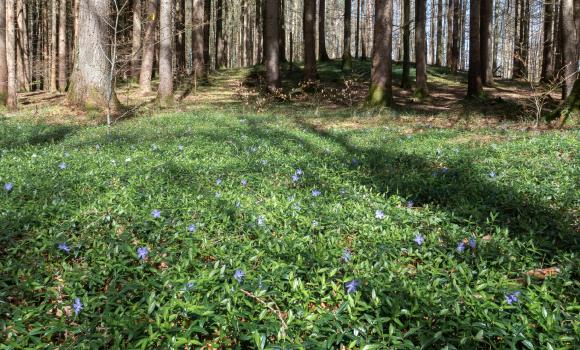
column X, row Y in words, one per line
column 289, row 174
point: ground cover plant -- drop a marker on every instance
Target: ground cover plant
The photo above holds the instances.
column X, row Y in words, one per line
column 218, row 229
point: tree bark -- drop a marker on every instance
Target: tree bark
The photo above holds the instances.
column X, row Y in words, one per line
column 474, row 83
column 62, row 55
column 421, row 89
column 53, row 45
column 282, row 30
column 206, row 27
column 3, row 62
column 346, row 55
column 198, row 63
column 91, row 86
column 272, row 45
column 406, row 79
column 309, row 20
column 381, row 73
column 165, row 92
column 455, row 47
column 259, row 31
column 322, row 53
column 22, row 49
column 449, row 32
column 148, row 46
column 569, row 47
column 11, row 98
column 547, row 74
column 486, row 43
column 136, row 40
column 357, row 33
column 219, row 36
column 432, row 34
column 439, row 58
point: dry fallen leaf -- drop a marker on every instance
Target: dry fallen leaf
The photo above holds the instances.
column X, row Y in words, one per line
column 543, row 273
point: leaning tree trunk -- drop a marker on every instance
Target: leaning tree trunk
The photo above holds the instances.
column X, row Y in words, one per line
column 271, row 45
column 406, row 79
column 346, row 55
column 62, row 55
column 198, row 63
column 91, row 86
column 421, row 89
column 309, row 21
column 569, row 59
column 136, row 39
column 148, row 46
column 322, row 53
column 381, row 85
column 3, row 62
column 486, row 44
column 474, row 83
column 11, row 98
column 165, row 92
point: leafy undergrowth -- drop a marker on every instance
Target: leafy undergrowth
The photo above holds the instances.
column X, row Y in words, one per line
column 225, row 231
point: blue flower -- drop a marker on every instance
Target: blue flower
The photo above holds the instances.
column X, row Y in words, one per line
column 379, row 214
column 189, row 285
column 472, row 243
column 419, row 239
column 512, row 297
column 180, row 147
column 354, row 161
column 314, row 223
column 261, row 221
column 295, row 178
column 64, row 247
column 218, row 194
column 316, row 193
column 299, row 172
column 346, row 255
column 264, row 162
column 156, row 213
column 62, row 165
column 460, row 247
column 351, row 286
column 192, row 228
column 142, row 252
column 218, row 181
column 239, row 275
column 97, row 146
column 154, row 147
column 8, row 186
column 244, row 182
column 410, row 204
column 492, row 174
column 77, row 306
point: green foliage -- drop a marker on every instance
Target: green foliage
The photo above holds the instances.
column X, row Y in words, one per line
column 513, row 192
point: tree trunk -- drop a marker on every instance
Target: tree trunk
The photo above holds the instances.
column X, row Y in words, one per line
column 22, row 58
column 282, row 31
column 136, row 43
column 421, row 89
column 548, row 53
column 449, row 32
column 53, row 45
column 357, row 33
column 346, row 55
column 363, row 47
column 206, row 27
column 11, row 98
column 62, row 55
column 322, row 53
column 219, row 36
column 91, row 86
column 455, row 47
column 474, row 83
column 486, row 44
column 309, row 21
column 569, row 54
column 439, row 58
column 272, row 45
column 381, row 81
column 406, row 79
column 432, row 34
column 148, row 46
column 165, row 92
column 259, row 31
column 197, row 45
column 3, row 62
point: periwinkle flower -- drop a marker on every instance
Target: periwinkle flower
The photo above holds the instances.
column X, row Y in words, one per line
column 354, row 161
column 154, row 147
column 264, row 162
column 299, row 172
column 180, row 147
column 346, row 255
column 410, row 204
column 244, row 182
column 142, row 252
column 316, row 193
column 62, row 165
column 218, row 181
column 8, row 186
column 64, row 247
column 314, row 223
column 295, row 178
column 460, row 247
column 512, row 297
column 419, row 239
column 77, row 306
column 492, row 174
column 156, row 213
column 218, row 194
column 189, row 285
column 379, row 214
column 351, row 286
column 192, row 228
column 261, row 221
column 239, row 275
column 472, row 243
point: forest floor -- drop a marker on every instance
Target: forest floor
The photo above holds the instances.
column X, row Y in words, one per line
column 236, row 221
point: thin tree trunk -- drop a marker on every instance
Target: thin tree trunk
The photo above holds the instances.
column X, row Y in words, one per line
column 62, row 55
column 136, row 42
column 548, row 53
column 148, row 46
column 363, row 47
column 432, row 34
column 91, row 86
column 439, row 58
column 53, row 45
column 272, row 45
column 381, row 73
column 406, row 79
column 165, row 92
column 322, row 53
column 309, row 21
column 357, row 34
column 282, row 30
column 421, row 89
column 219, row 36
column 22, row 48
column 455, row 47
column 346, row 55
column 206, row 28
column 450, row 6
column 259, row 31
column 486, row 44
column 3, row 62
column 11, row 98
column 197, row 46
column 570, row 58
column 474, row 83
